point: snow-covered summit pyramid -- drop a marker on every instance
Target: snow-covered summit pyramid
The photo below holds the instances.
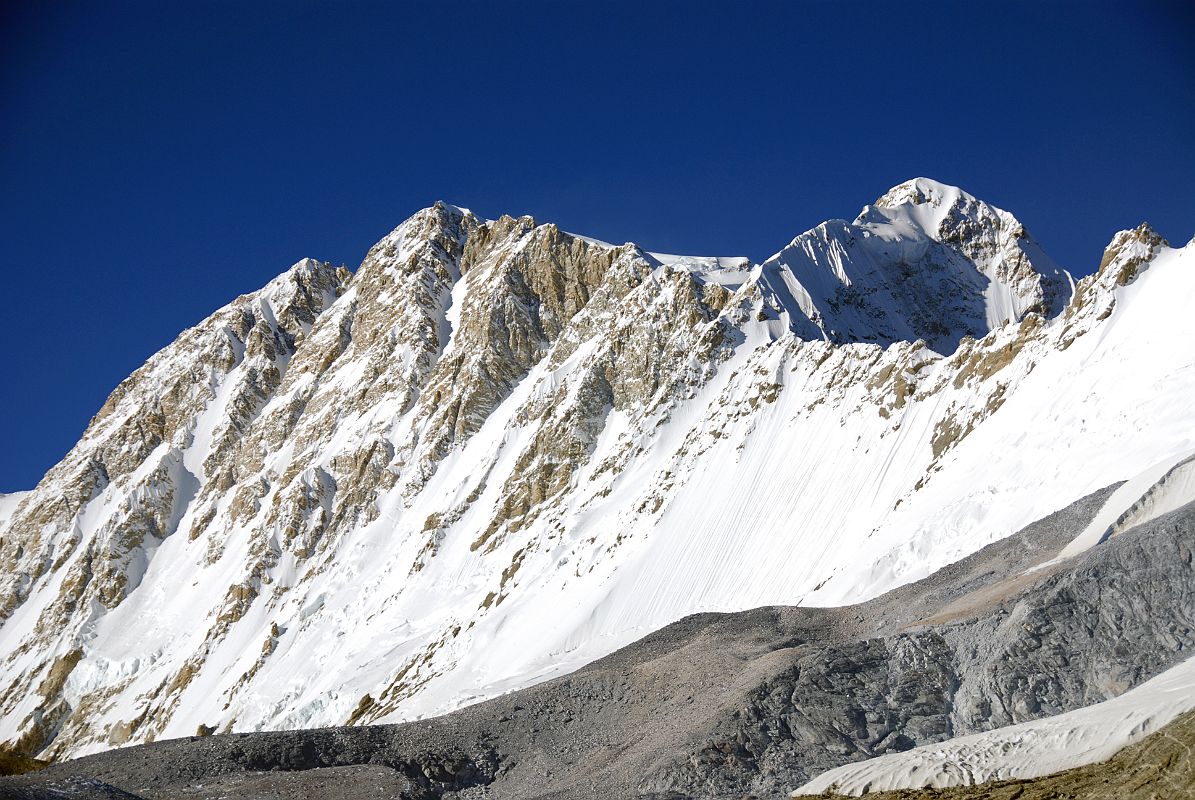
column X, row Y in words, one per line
column 499, row 450
column 926, row 261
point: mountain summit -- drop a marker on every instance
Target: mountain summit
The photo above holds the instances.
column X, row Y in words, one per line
column 498, row 451
column 926, row 261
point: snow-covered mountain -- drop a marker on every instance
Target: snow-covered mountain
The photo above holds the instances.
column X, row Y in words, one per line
column 498, row 451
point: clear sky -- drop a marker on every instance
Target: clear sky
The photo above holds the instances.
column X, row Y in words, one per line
column 158, row 159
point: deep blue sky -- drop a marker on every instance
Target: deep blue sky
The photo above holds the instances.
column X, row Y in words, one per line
column 157, row 160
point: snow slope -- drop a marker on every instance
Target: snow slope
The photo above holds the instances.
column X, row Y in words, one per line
column 9, row 503
column 1104, row 409
column 499, row 451
column 1028, row 750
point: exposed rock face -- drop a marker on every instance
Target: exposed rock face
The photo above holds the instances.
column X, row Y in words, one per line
column 498, row 451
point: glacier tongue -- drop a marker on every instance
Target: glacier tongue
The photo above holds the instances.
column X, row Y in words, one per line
column 499, row 450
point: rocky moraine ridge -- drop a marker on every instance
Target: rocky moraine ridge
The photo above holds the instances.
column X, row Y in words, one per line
column 498, row 451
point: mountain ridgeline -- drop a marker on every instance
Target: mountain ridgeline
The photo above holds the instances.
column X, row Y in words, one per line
column 498, row 451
